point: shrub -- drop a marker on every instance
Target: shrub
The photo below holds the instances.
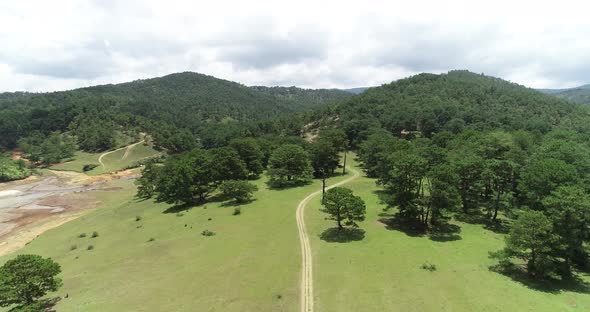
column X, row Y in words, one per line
column 428, row 267
column 137, row 218
column 94, row 234
column 237, row 211
column 73, row 247
column 89, row 167
column 151, row 239
column 207, row 233
column 82, row 235
column 90, row 247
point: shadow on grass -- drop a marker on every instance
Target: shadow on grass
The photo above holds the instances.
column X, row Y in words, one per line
column 234, row 203
column 547, row 284
column 441, row 232
column 39, row 305
column 445, row 232
column 384, row 197
column 479, row 217
column 178, row 208
column 283, row 185
column 342, row 235
column 396, row 222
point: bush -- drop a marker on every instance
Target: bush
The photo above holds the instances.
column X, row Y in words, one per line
column 82, row 235
column 151, row 239
column 89, row 167
column 73, row 247
column 94, row 234
column 207, row 233
column 240, row 191
column 90, row 247
column 428, row 267
column 237, row 211
column 137, row 218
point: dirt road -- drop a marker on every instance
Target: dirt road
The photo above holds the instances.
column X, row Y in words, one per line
column 306, row 260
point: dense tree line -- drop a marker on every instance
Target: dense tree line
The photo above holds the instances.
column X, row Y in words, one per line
column 577, row 95
column 190, row 177
column 497, row 171
column 430, row 103
column 45, row 150
column 466, row 143
column 307, row 98
column 180, row 111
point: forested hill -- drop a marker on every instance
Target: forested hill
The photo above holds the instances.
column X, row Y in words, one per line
column 431, row 103
column 577, row 95
column 303, row 98
column 188, row 103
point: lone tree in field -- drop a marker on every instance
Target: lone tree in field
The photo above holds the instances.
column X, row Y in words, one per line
column 289, row 165
column 343, row 207
column 27, row 278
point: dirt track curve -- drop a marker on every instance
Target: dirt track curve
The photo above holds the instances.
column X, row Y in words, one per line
column 306, row 261
column 128, row 147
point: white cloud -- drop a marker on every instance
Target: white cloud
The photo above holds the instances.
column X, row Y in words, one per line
column 55, row 45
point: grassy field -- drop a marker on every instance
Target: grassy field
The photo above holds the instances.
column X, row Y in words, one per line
column 112, row 162
column 381, row 272
column 253, row 261
column 79, row 160
column 251, row 264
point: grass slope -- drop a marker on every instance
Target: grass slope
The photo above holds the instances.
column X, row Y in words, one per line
column 251, row 264
column 113, row 161
column 382, row 271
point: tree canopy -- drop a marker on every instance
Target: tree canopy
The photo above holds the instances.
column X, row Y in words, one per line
column 27, row 278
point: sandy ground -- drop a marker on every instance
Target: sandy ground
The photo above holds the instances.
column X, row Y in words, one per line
column 32, row 206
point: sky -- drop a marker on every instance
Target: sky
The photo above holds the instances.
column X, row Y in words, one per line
column 62, row 44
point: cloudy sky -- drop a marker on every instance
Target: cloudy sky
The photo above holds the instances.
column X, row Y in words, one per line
column 57, row 45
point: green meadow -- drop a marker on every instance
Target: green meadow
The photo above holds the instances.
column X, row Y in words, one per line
column 381, row 271
column 114, row 161
column 153, row 257
column 252, row 263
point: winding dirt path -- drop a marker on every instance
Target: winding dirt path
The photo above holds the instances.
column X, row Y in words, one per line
column 128, row 147
column 306, row 260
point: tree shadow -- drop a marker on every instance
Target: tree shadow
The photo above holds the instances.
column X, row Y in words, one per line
column 217, row 198
column 481, row 218
column 39, row 305
column 441, row 232
column 500, row 227
column 342, row 235
column 234, row 203
column 178, row 208
column 472, row 217
column 445, row 232
column 397, row 222
column 384, row 197
column 547, row 284
column 283, row 185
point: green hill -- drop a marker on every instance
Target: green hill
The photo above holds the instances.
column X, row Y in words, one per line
column 429, row 103
column 174, row 107
column 579, row 95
